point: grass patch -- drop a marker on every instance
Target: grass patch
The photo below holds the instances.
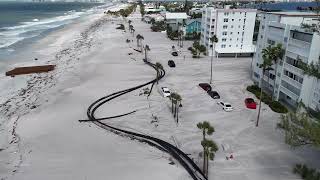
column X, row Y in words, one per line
column 305, row 172
column 274, row 105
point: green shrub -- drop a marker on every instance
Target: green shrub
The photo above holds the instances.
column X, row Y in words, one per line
column 278, row 107
column 274, row 105
column 306, row 173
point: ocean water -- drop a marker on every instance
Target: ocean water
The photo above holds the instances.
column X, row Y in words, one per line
column 285, row 6
column 20, row 21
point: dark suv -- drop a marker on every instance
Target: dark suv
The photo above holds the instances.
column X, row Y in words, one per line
column 174, row 53
column 171, row 63
column 205, row 86
column 214, row 94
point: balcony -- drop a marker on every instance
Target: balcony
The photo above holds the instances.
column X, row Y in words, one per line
column 289, row 93
column 299, row 43
column 293, row 69
column 295, row 56
column 298, row 51
column 292, row 82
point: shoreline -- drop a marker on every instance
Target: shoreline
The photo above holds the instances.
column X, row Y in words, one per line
column 60, row 47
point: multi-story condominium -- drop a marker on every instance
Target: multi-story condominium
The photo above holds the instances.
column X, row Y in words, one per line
column 289, row 84
column 234, row 29
column 176, row 20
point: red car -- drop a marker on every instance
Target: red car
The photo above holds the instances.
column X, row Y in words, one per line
column 205, row 86
column 250, row 103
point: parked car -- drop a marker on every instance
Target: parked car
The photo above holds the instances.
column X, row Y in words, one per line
column 171, row 63
column 250, row 103
column 214, row 94
column 164, row 91
column 225, row 106
column 205, row 86
column 174, row 53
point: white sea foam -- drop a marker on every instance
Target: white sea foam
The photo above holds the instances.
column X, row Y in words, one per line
column 14, row 34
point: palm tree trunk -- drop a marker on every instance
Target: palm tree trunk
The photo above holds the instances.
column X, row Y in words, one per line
column 274, row 83
column 175, row 110
column 204, row 154
column 177, row 114
column 145, row 53
column 171, row 105
column 211, row 67
column 158, row 76
column 258, row 118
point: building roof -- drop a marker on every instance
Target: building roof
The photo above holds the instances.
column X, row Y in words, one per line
column 190, row 21
column 176, row 16
column 293, row 13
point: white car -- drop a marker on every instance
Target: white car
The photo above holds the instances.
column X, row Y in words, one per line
column 225, row 106
column 165, row 92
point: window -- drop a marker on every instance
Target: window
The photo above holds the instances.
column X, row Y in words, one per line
column 225, row 20
column 225, row 27
column 211, row 45
column 213, row 20
column 224, row 33
column 238, row 32
column 232, row 19
column 262, row 27
column 212, row 27
column 231, row 32
column 223, row 46
column 271, row 42
column 226, row 13
column 230, row 45
column 230, row 39
column 224, row 39
column 239, row 19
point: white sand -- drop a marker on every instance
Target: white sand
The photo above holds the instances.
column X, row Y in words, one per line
column 52, row 144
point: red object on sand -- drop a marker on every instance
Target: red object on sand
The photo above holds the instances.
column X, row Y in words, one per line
column 30, row 70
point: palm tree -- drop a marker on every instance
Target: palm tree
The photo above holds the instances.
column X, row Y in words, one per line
column 146, row 49
column 206, row 129
column 158, row 66
column 177, row 105
column 129, row 22
column 173, row 99
column 139, row 39
column 210, row 147
column 133, row 30
column 130, row 28
column 213, row 40
column 266, row 66
column 274, row 53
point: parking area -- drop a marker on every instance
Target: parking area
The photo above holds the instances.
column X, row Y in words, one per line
column 258, row 152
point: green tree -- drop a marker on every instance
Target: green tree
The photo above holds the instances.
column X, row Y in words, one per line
column 146, row 49
column 199, row 48
column 274, row 53
column 158, row 66
column 213, row 40
column 210, row 147
column 266, row 66
column 207, row 129
column 139, row 39
column 178, row 100
column 300, row 129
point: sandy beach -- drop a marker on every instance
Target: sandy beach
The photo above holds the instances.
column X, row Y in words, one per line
column 41, row 137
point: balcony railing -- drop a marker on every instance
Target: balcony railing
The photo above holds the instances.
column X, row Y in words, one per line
column 289, row 93
column 298, row 42
column 292, row 82
column 296, row 56
column 293, row 69
column 303, row 53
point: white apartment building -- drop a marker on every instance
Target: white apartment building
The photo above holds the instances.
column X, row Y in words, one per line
column 174, row 20
column 234, row 29
column 289, row 85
